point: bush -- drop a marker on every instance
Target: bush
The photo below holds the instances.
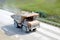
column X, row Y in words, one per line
column 42, row 14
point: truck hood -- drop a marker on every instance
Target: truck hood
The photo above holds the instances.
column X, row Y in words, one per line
column 34, row 22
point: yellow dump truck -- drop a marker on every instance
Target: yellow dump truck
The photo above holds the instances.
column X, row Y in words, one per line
column 26, row 21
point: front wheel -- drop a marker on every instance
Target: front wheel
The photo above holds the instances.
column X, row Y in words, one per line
column 25, row 29
column 34, row 29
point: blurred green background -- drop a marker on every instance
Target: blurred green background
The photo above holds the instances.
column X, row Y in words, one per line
column 49, row 9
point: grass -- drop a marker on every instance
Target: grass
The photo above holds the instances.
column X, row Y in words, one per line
column 51, row 7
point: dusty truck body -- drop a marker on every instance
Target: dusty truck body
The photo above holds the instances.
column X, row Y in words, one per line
column 26, row 21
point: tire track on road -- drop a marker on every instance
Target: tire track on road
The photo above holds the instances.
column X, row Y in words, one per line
column 47, row 34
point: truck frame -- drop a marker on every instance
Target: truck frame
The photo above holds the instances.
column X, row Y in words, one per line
column 26, row 21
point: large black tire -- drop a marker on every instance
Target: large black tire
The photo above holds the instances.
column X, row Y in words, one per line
column 34, row 29
column 15, row 24
column 25, row 29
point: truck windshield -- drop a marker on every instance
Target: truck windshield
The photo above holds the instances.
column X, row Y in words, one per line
column 29, row 19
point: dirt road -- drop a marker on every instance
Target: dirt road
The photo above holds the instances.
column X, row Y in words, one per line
column 9, row 32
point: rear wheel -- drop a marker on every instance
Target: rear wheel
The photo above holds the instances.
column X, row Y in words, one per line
column 15, row 23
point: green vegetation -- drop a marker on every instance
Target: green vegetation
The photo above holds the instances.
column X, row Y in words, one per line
column 50, row 7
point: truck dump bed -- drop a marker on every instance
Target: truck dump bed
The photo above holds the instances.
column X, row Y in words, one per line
column 22, row 16
column 17, row 18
